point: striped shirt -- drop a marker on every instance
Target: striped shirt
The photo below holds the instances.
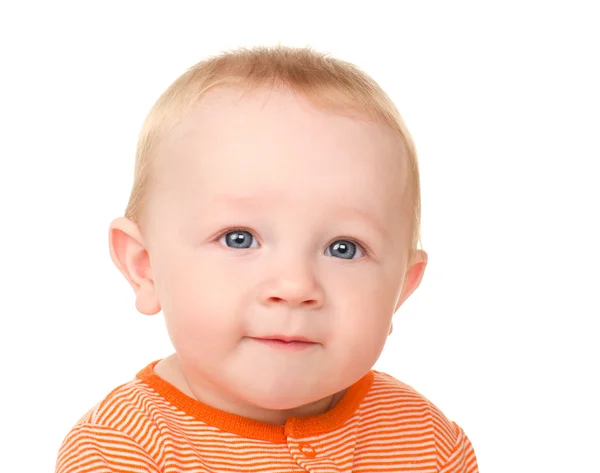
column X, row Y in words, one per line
column 379, row 425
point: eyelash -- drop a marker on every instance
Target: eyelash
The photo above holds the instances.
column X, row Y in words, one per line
column 365, row 249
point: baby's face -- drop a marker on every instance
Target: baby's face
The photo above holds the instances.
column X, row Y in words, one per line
column 273, row 219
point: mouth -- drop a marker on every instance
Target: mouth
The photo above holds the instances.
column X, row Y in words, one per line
column 282, row 342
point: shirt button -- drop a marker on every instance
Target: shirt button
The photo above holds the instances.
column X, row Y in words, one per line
column 307, row 450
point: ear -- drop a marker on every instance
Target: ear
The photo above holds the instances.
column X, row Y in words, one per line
column 413, row 277
column 130, row 256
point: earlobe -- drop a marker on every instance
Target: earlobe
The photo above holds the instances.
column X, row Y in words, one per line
column 129, row 254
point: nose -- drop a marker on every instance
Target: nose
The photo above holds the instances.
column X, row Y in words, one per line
column 295, row 285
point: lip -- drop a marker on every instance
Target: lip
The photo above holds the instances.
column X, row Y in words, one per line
column 286, row 343
column 286, row 339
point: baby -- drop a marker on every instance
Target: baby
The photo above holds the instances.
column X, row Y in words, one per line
column 274, row 220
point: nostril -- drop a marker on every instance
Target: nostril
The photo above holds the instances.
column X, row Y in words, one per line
column 308, row 302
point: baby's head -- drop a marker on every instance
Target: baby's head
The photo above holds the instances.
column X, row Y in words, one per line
column 276, row 196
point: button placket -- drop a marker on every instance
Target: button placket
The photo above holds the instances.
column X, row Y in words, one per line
column 309, row 456
column 307, row 450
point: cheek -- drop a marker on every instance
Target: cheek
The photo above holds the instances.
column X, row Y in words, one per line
column 364, row 314
column 199, row 310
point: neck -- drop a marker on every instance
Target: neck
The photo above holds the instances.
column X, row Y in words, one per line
column 170, row 370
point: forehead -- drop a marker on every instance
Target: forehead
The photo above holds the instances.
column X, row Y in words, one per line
column 275, row 144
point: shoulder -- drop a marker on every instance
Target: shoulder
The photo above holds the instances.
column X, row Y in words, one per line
column 410, row 411
column 390, row 393
column 124, row 406
column 120, row 428
column 129, row 411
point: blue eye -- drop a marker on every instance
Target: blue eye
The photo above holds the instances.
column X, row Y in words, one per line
column 238, row 239
column 344, row 249
column 243, row 239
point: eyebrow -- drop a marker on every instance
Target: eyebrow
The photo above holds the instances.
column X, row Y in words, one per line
column 252, row 202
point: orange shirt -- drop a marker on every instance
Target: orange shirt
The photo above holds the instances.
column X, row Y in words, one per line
column 380, row 425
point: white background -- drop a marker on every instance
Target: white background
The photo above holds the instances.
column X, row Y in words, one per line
column 503, row 102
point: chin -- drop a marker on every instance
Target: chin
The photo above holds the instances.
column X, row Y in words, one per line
column 277, row 394
column 278, row 401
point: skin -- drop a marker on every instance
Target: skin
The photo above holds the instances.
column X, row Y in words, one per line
column 321, row 197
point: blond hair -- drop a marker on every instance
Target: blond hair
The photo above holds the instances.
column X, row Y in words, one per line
column 327, row 82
